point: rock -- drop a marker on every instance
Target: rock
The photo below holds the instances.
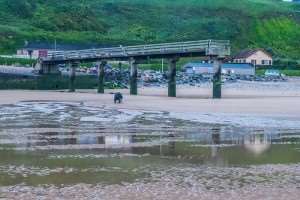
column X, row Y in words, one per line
column 116, row 78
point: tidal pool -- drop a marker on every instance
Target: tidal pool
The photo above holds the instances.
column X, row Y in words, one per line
column 61, row 144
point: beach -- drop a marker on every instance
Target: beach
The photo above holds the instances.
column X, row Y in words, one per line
column 242, row 98
column 83, row 146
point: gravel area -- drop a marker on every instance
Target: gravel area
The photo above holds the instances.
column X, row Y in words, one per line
column 254, row 182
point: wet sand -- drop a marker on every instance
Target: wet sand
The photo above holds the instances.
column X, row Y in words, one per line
column 148, row 192
column 257, row 99
column 262, row 182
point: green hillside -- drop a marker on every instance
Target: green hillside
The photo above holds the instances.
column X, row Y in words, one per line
column 270, row 24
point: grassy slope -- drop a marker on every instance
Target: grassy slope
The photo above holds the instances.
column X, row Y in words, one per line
column 247, row 23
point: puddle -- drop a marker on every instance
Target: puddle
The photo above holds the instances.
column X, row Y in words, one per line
column 60, row 143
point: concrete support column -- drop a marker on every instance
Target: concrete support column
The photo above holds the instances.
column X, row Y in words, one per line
column 120, row 78
column 133, row 77
column 120, row 67
column 72, row 69
column 172, row 78
column 217, row 79
column 49, row 69
column 44, row 69
column 101, row 76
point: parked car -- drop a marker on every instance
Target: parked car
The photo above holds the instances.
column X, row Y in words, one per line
column 273, row 72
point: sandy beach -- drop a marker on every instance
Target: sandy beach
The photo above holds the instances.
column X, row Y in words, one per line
column 276, row 99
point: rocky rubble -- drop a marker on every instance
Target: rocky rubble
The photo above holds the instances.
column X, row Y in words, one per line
column 151, row 78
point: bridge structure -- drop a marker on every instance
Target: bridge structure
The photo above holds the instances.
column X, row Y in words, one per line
column 215, row 50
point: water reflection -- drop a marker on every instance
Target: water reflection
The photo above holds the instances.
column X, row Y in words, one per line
column 257, row 143
column 218, row 146
column 118, row 140
column 89, row 139
column 60, row 127
column 216, row 138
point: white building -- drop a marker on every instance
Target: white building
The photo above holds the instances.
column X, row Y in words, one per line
column 33, row 53
column 256, row 57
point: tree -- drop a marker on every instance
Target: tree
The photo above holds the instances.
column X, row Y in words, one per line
column 22, row 8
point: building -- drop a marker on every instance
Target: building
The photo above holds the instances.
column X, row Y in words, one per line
column 36, row 50
column 256, row 57
column 227, row 68
column 32, row 53
column 40, row 49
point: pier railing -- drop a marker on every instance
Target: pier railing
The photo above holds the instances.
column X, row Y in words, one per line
column 209, row 47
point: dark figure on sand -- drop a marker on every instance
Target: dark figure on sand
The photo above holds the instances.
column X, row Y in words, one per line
column 118, row 97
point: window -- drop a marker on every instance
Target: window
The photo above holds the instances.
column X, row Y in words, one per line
column 266, row 62
column 253, row 62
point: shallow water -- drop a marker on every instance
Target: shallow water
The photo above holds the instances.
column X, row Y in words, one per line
column 64, row 144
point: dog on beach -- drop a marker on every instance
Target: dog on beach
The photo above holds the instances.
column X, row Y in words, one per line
column 118, row 97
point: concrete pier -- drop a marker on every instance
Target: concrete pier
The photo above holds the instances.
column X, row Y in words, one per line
column 217, row 79
column 101, row 76
column 72, row 69
column 214, row 49
column 133, row 77
column 172, row 77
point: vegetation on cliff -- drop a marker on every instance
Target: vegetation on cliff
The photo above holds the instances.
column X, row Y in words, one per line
column 270, row 24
